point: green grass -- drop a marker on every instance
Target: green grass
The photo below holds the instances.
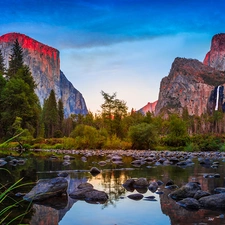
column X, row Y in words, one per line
column 6, row 211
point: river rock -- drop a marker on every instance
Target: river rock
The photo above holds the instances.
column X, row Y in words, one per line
column 153, row 186
column 2, row 162
column 141, row 182
column 199, row 194
column 216, row 201
column 189, row 203
column 47, row 188
column 90, row 195
column 187, row 190
column 135, row 196
column 129, row 182
column 94, row 171
column 219, row 190
column 85, row 185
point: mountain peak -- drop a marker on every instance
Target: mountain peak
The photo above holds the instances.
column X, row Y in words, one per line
column 31, row 44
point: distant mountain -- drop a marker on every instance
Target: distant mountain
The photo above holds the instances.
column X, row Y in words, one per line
column 44, row 63
column 150, row 107
column 195, row 86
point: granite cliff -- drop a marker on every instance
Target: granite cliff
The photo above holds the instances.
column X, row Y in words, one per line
column 193, row 85
column 44, row 63
column 150, row 107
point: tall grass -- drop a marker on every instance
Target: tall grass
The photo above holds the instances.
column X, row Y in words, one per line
column 6, row 211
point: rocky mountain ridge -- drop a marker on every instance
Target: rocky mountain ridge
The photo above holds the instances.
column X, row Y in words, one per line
column 193, row 85
column 44, row 63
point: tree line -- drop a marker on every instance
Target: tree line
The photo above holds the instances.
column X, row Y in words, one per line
column 111, row 128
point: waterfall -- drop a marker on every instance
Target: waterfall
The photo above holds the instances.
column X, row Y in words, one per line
column 217, row 97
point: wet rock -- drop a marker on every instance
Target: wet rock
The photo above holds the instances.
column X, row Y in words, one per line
column 85, row 185
column 216, row 175
column 62, row 174
column 219, row 190
column 170, row 182
column 135, row 196
column 96, row 196
column 102, row 163
column 53, row 157
column 116, row 158
column 21, row 162
column 13, row 162
column 83, row 159
column 189, row 203
column 68, row 157
column 199, row 194
column 159, row 182
column 129, row 182
column 142, row 190
column 216, row 201
column 2, row 162
column 141, row 182
column 66, row 163
column 137, row 162
column 153, row 186
column 94, row 171
column 174, row 160
column 90, row 195
column 186, row 191
column 185, row 163
column 47, row 188
column 171, row 187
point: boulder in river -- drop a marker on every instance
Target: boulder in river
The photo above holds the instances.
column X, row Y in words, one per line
column 186, row 191
column 214, row 202
column 47, row 188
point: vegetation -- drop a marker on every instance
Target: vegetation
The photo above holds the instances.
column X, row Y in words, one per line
column 7, row 213
column 25, row 124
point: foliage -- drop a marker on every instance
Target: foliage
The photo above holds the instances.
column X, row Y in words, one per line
column 17, row 97
column 15, row 60
column 113, row 111
column 143, row 136
column 87, row 137
column 177, row 134
column 6, row 211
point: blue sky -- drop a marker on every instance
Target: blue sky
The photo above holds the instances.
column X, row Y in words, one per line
column 123, row 46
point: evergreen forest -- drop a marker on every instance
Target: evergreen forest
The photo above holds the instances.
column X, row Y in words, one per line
column 25, row 124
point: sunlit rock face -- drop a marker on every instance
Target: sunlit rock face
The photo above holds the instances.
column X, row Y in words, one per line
column 216, row 56
column 150, row 107
column 44, row 63
column 189, row 85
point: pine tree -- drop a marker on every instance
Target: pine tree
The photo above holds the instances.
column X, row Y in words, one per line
column 18, row 98
column 50, row 117
column 60, row 114
column 16, row 60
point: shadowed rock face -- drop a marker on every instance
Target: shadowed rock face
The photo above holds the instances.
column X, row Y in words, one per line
column 44, row 63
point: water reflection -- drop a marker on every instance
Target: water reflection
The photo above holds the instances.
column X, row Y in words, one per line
column 119, row 209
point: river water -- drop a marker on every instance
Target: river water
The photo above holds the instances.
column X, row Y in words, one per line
column 119, row 209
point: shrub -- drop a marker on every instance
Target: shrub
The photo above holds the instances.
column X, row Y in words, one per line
column 143, row 136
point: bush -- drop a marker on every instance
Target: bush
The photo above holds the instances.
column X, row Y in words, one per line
column 113, row 143
column 88, row 137
column 191, row 147
column 143, row 136
column 176, row 141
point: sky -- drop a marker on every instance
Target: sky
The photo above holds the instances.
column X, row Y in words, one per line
column 122, row 46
